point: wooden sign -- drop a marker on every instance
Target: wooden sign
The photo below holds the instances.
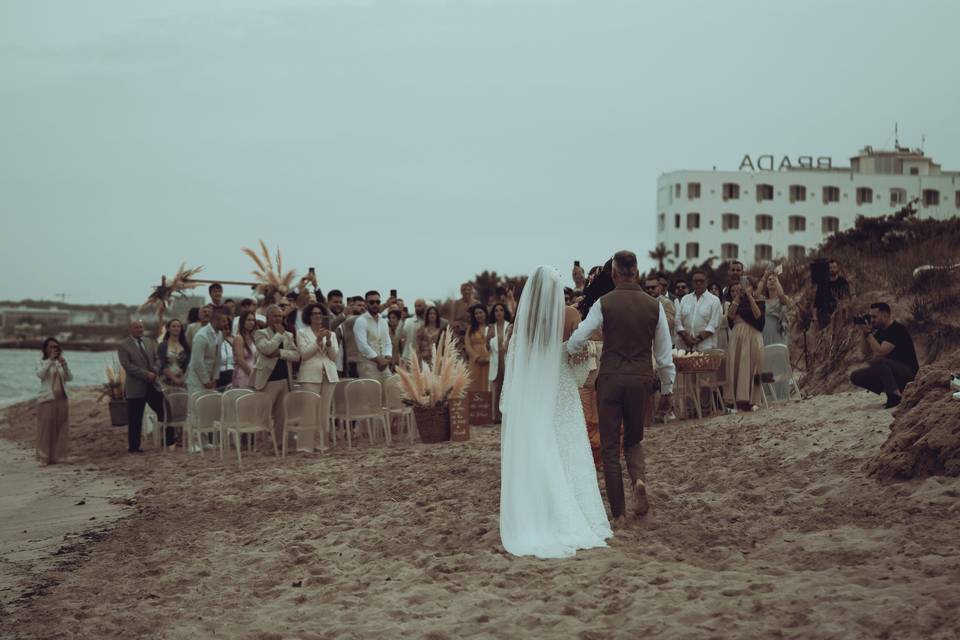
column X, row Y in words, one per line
column 459, row 424
column 481, row 407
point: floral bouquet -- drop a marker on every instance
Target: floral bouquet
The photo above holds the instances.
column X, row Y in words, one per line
column 113, row 387
column 434, row 385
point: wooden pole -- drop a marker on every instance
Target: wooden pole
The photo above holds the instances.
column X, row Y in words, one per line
column 234, row 282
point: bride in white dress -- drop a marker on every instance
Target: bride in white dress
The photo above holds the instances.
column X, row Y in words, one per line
column 550, row 503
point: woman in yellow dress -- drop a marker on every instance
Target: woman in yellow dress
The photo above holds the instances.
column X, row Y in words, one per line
column 478, row 353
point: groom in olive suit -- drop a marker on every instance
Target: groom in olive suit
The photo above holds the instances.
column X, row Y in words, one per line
column 635, row 331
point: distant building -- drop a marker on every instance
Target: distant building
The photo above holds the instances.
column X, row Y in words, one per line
column 775, row 207
column 12, row 317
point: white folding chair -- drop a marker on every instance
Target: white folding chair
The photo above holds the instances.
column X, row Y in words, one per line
column 207, row 415
column 776, row 361
column 364, row 403
column 228, row 413
column 338, row 412
column 303, row 416
column 396, row 407
column 175, row 412
column 251, row 419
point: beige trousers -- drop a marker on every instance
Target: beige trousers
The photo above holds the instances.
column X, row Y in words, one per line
column 325, row 391
column 274, row 403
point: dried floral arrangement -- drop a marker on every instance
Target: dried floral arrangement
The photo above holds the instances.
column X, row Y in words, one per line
column 434, row 385
column 113, row 387
column 271, row 278
column 161, row 296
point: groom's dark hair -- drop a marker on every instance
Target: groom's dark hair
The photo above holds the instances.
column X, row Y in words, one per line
column 625, row 263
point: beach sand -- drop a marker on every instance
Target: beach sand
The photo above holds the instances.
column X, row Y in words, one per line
column 762, row 525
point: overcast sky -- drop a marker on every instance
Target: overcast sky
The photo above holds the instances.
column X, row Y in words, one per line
column 413, row 144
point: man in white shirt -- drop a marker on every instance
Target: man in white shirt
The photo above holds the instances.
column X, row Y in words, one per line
column 410, row 327
column 698, row 316
column 372, row 334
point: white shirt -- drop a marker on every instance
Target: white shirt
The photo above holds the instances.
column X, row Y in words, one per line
column 410, row 327
column 662, row 343
column 695, row 315
column 226, row 356
column 368, row 323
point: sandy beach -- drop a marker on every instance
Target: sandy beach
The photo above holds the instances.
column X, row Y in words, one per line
column 762, row 525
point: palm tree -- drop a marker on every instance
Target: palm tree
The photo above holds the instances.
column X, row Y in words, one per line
column 660, row 253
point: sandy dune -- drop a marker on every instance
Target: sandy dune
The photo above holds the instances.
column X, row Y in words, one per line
column 762, row 525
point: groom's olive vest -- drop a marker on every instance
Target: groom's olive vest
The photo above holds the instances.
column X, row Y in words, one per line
column 630, row 319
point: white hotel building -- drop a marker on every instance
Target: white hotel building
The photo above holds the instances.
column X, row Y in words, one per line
column 778, row 207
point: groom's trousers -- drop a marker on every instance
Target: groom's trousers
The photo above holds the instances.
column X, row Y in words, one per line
column 622, row 400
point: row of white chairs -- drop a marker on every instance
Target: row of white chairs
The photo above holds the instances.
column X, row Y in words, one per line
column 235, row 413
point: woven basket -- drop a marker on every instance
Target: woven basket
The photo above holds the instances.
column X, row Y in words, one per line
column 433, row 424
column 704, row 363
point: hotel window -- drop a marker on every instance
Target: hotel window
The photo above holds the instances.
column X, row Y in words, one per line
column 797, row 223
column 796, row 252
column 831, row 194
column 693, row 190
column 730, row 221
column 956, row 199
column 762, row 252
column 677, row 191
column 931, row 198
column 798, row 193
column 676, row 220
column 864, row 195
column 661, row 222
column 693, row 221
column 829, row 224
column 898, row 196
column 693, row 250
column 676, row 249
column 731, row 191
column 729, row 251
column 764, row 222
column 764, row 192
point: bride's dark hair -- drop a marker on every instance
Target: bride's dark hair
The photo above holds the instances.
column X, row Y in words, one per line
column 600, row 285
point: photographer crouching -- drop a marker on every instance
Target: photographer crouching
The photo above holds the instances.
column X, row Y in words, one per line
column 893, row 360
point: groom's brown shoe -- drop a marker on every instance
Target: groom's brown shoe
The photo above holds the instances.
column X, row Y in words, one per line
column 640, row 504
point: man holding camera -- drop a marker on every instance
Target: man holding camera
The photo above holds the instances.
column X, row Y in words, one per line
column 893, row 359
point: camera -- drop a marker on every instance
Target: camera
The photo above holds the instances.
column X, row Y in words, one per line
column 862, row 319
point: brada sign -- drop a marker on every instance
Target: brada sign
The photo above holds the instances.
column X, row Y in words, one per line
column 766, row 163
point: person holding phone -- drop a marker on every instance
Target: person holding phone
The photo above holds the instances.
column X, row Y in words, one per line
column 745, row 349
column 53, row 409
column 319, row 350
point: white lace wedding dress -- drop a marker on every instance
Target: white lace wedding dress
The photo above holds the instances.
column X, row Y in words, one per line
column 550, row 502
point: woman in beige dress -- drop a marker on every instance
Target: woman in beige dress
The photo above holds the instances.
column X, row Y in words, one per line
column 478, row 353
column 428, row 336
column 318, row 369
column 53, row 416
column 745, row 348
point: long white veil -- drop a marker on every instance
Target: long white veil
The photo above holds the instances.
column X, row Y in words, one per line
column 537, row 504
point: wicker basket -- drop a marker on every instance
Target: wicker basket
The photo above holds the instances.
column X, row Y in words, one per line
column 433, row 424
column 703, row 363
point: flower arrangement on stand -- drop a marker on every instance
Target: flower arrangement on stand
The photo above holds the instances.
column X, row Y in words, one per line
column 113, row 389
column 429, row 388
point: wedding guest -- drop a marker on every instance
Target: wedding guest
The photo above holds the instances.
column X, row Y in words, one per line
column 273, row 371
column 193, row 315
column 225, row 379
column 665, row 287
column 53, row 408
column 652, row 287
column 460, row 314
column 498, row 337
column 588, row 397
column 428, row 336
column 579, row 280
column 698, row 316
column 318, row 370
column 250, row 305
column 203, row 370
column 352, row 357
column 231, row 306
column 216, row 294
column 372, row 335
column 138, row 357
column 395, row 327
column 680, row 289
column 568, row 296
column 777, row 304
column 336, row 307
column 478, row 354
column 203, row 318
column 244, row 350
column 723, row 329
column 411, row 326
column 734, row 276
column 745, row 349
column 288, row 305
column 174, row 354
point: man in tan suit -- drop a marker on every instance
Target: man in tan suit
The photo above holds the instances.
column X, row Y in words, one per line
column 272, row 372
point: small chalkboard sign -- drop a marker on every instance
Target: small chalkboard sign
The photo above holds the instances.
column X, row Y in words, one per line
column 459, row 424
column 481, row 407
